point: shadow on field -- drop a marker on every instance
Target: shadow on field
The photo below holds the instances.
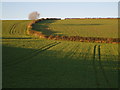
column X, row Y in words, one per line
column 43, row 26
column 51, row 69
column 16, row 38
column 83, row 24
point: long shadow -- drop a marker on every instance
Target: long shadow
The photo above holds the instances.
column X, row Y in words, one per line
column 47, row 70
column 95, row 68
column 102, row 68
column 33, row 54
column 16, row 38
column 43, row 27
column 82, row 24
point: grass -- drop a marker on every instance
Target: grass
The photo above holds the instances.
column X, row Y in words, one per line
column 42, row 63
column 80, row 27
column 14, row 28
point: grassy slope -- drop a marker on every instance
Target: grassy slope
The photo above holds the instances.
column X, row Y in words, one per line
column 14, row 28
column 39, row 63
column 81, row 27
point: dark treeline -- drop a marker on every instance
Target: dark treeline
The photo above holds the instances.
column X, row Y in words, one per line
column 53, row 18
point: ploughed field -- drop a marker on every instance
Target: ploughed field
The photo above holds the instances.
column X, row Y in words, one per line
column 29, row 62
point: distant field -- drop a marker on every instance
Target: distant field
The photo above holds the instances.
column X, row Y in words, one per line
column 80, row 27
column 41, row 63
column 14, row 28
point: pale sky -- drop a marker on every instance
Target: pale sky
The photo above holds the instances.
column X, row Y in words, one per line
column 60, row 0
column 20, row 10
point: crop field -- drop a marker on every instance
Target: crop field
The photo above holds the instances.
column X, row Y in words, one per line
column 14, row 28
column 30, row 62
column 80, row 27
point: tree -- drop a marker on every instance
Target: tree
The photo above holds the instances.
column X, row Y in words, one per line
column 34, row 15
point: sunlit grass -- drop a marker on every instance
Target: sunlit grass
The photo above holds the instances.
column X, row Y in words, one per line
column 81, row 27
column 41, row 63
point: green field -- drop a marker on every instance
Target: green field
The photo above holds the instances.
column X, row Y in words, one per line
column 42, row 63
column 14, row 28
column 80, row 27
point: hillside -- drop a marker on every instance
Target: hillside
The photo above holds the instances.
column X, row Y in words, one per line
column 30, row 62
column 107, row 28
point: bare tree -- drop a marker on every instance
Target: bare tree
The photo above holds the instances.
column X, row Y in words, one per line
column 34, row 15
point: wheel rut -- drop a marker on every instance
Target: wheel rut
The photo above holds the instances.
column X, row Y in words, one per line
column 33, row 54
column 97, row 48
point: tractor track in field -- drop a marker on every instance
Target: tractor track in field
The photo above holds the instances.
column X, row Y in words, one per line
column 61, row 50
column 97, row 48
column 88, row 50
column 12, row 29
column 69, row 53
column 85, row 56
column 73, row 53
column 33, row 54
column 101, row 67
column 94, row 67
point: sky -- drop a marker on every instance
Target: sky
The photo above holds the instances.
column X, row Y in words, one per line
column 21, row 10
column 60, row 0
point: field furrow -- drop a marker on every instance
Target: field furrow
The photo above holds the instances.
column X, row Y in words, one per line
column 102, row 67
column 32, row 62
column 95, row 68
column 32, row 54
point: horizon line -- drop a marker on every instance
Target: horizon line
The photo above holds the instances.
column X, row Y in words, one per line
column 56, row 17
column 70, row 18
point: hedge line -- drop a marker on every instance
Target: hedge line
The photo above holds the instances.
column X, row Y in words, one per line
column 70, row 38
